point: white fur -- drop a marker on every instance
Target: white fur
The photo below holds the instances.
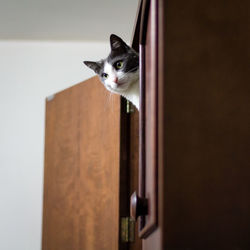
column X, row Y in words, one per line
column 128, row 83
column 108, row 69
column 133, row 94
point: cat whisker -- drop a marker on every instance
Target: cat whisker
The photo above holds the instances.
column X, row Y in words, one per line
column 110, row 98
column 112, row 107
column 114, row 81
column 107, row 102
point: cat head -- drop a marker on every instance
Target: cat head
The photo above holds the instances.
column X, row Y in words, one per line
column 120, row 69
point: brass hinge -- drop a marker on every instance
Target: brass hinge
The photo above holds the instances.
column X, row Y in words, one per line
column 127, row 229
column 130, row 107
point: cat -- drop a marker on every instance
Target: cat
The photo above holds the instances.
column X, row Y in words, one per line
column 119, row 72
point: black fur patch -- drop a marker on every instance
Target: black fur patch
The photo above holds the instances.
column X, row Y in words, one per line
column 120, row 51
column 96, row 66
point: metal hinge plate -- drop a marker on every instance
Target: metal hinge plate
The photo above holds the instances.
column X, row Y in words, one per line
column 127, row 229
column 130, row 108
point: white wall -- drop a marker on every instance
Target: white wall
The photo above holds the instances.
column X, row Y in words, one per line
column 30, row 71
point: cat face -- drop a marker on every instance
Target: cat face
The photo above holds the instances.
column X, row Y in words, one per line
column 120, row 69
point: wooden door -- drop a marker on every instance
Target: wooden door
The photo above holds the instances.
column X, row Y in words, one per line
column 196, row 115
column 82, row 169
column 207, row 117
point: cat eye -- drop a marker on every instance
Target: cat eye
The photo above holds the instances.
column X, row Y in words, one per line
column 119, row 64
column 105, row 76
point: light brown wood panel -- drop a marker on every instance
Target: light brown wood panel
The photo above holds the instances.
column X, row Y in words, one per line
column 81, row 176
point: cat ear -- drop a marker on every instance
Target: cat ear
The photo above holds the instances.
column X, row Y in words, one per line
column 93, row 65
column 117, row 43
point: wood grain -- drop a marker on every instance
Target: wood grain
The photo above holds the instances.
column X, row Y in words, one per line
column 203, row 126
column 151, row 109
column 206, row 124
column 81, row 177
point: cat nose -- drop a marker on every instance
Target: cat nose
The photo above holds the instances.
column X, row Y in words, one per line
column 116, row 80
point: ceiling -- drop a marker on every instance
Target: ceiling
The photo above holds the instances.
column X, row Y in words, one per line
column 75, row 20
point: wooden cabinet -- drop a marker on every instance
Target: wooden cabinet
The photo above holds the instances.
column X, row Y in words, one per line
column 186, row 153
column 195, row 134
column 82, row 191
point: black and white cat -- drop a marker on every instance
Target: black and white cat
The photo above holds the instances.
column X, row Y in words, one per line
column 119, row 72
